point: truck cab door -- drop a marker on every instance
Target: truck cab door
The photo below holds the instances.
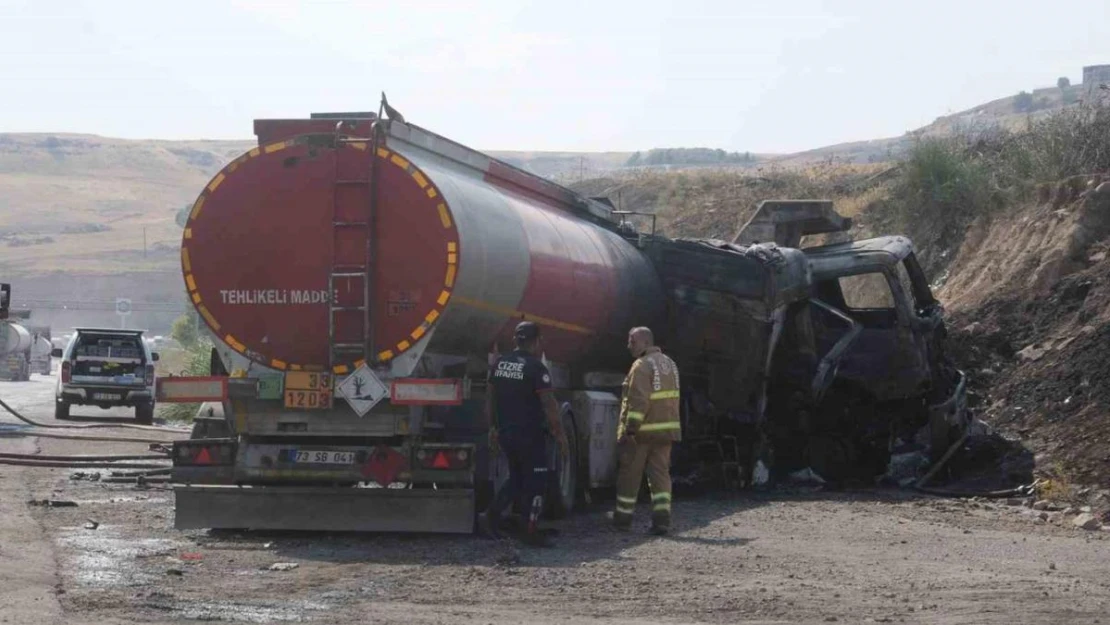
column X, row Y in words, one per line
column 888, row 356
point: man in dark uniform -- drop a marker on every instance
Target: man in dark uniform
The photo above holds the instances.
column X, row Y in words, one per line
column 518, row 400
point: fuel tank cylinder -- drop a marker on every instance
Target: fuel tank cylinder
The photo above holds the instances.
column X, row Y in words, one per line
column 13, row 338
column 316, row 243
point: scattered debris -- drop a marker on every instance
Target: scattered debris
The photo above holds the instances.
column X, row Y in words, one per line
column 91, row 476
column 52, row 503
column 806, row 475
column 192, row 557
column 91, row 525
column 979, row 428
column 1032, row 353
column 905, row 468
column 1087, row 521
column 283, row 566
column 760, row 474
column 510, row 559
column 175, row 572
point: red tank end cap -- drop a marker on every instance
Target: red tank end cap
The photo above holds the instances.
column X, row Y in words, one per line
column 271, row 230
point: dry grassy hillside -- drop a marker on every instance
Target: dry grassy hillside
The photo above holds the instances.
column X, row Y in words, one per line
column 1004, row 113
column 80, row 202
column 717, row 202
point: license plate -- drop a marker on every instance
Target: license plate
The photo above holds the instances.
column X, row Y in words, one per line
column 320, row 457
column 105, row 396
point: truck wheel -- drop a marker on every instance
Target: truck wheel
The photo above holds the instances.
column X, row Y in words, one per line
column 61, row 410
column 563, row 488
column 144, row 413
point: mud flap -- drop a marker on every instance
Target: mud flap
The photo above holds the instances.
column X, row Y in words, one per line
column 324, row 509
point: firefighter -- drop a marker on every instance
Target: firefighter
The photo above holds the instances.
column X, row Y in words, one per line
column 519, row 399
column 649, row 425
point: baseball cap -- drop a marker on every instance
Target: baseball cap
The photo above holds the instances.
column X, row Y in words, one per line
column 526, row 331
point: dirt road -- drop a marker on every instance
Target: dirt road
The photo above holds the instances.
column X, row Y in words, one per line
column 809, row 557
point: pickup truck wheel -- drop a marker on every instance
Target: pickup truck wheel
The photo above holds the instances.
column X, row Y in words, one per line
column 563, row 487
column 144, row 413
column 61, row 410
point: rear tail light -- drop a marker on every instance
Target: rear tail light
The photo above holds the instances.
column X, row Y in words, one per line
column 204, row 453
column 150, row 374
column 451, row 459
column 67, row 371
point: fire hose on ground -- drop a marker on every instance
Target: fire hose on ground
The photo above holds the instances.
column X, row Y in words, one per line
column 86, row 426
column 151, row 471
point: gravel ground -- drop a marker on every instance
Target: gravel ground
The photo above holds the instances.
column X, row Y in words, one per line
column 783, row 557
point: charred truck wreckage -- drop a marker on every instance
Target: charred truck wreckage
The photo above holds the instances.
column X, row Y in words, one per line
column 358, row 273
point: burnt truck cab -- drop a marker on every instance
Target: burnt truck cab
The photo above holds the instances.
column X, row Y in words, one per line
column 884, row 379
column 898, row 364
column 878, row 283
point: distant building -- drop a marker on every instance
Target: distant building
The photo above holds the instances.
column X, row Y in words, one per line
column 1095, row 75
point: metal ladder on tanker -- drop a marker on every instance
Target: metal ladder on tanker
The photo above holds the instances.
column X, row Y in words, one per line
column 349, row 232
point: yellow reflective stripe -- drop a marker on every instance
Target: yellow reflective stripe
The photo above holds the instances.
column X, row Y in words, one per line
column 625, row 509
column 628, row 500
column 664, row 395
column 659, row 427
column 661, row 507
column 635, row 416
column 661, row 497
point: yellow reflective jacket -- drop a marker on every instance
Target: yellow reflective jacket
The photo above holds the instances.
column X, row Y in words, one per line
column 650, row 399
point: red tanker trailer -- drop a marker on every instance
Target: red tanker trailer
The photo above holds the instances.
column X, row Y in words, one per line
column 343, row 248
column 358, row 273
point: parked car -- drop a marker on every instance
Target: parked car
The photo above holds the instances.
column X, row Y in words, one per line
column 106, row 368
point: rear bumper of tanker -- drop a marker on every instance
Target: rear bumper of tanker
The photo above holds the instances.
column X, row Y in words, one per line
column 449, row 510
column 220, row 483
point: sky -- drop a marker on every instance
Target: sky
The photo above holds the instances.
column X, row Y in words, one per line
column 743, row 75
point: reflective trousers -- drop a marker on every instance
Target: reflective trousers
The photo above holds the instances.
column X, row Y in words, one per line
column 655, row 456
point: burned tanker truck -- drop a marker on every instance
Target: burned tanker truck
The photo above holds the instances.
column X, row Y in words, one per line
column 357, row 274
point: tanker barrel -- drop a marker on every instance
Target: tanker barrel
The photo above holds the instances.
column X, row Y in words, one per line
column 13, row 338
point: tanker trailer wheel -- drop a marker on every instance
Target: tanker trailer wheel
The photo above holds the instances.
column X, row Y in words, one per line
column 144, row 413
column 562, row 490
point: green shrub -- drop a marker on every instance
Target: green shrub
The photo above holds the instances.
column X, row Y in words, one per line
column 184, row 330
column 944, row 183
column 1023, row 102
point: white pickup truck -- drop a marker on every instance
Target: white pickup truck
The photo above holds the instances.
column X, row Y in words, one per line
column 106, row 368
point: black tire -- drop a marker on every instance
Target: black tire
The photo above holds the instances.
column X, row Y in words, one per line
column 144, row 414
column 562, row 488
column 61, row 410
